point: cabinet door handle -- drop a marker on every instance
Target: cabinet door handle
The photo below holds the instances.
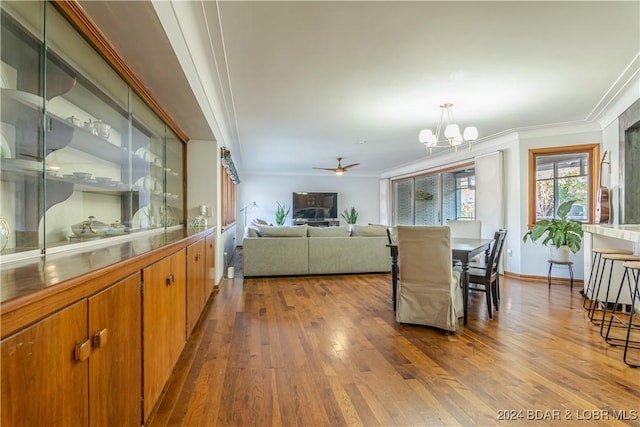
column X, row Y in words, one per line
column 100, row 338
column 197, row 257
column 170, row 279
column 82, row 351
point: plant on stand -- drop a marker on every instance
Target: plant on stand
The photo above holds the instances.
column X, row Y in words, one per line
column 350, row 215
column 561, row 233
column 281, row 214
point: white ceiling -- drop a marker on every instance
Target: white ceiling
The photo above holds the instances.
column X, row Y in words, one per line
column 310, row 81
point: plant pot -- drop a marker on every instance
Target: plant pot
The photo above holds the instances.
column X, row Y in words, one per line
column 560, row 254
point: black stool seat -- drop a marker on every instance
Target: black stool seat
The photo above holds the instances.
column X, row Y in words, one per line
column 567, row 263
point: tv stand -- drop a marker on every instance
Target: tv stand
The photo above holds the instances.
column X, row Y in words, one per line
column 317, row 222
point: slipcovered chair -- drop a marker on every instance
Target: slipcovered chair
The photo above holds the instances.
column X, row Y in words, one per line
column 471, row 229
column 429, row 291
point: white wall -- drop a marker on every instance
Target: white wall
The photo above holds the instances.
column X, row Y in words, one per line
column 266, row 190
column 533, row 257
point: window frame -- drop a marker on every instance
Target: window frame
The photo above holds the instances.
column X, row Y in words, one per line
column 592, row 150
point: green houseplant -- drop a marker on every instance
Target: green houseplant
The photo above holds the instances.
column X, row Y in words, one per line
column 559, row 231
column 350, row 215
column 281, row 214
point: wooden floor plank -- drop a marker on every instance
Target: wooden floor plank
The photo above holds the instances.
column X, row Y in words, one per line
column 327, row 351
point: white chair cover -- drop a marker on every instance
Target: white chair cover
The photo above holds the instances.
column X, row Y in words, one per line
column 465, row 228
column 429, row 291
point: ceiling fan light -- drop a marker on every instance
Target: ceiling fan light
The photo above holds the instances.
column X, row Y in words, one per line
column 470, row 133
column 339, row 172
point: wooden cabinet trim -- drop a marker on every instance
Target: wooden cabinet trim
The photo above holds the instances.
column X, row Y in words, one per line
column 78, row 18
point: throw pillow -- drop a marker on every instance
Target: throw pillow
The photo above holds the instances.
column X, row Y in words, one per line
column 341, row 231
column 253, row 231
column 292, row 231
column 369, row 230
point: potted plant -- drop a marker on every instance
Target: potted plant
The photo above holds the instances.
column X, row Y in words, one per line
column 560, row 234
column 281, row 214
column 350, row 215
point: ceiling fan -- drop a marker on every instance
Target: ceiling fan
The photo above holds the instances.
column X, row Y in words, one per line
column 340, row 169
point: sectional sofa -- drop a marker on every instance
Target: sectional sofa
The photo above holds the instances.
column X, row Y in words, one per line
column 303, row 250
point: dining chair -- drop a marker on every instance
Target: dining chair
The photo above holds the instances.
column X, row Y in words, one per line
column 468, row 229
column 471, row 229
column 429, row 291
column 485, row 279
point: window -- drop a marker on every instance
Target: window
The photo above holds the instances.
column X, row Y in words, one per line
column 434, row 198
column 559, row 174
column 465, row 195
column 228, row 199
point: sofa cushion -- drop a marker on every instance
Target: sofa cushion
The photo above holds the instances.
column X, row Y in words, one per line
column 341, row 231
column 287, row 231
column 331, row 255
column 368, row 230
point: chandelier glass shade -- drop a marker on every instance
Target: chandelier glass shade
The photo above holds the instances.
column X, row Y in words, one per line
column 452, row 137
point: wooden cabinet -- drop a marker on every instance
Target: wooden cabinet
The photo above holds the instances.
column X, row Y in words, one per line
column 163, row 327
column 73, row 372
column 86, row 350
column 196, row 283
column 210, row 261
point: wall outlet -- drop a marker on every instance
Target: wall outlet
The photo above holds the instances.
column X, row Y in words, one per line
column 510, row 252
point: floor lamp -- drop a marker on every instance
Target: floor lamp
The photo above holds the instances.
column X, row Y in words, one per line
column 249, row 207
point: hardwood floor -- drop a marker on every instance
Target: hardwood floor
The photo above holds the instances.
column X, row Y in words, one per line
column 327, row 351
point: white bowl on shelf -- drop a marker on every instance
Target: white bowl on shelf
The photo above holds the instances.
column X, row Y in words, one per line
column 82, row 175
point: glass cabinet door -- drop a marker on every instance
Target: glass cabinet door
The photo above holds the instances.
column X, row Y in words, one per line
column 22, row 104
column 148, row 135
column 174, row 179
column 83, row 156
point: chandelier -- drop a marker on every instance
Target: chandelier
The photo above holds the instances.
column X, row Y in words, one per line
column 452, row 136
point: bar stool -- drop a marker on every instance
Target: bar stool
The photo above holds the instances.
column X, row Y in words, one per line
column 596, row 258
column 632, row 276
column 610, row 258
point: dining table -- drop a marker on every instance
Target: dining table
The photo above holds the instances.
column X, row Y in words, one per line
column 462, row 249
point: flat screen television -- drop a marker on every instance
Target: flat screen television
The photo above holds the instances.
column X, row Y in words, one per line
column 315, row 206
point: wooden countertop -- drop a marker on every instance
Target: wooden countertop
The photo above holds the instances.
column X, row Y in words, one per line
column 27, row 286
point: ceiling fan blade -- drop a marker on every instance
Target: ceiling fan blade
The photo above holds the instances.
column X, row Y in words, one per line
column 326, row 169
column 350, row 166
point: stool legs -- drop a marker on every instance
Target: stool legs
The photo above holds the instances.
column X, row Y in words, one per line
column 588, row 295
column 618, row 316
column 635, row 301
column 569, row 264
column 595, row 301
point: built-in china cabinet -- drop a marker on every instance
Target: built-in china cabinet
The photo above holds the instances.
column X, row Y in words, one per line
column 83, row 156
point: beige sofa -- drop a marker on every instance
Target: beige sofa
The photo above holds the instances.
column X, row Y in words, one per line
column 303, row 250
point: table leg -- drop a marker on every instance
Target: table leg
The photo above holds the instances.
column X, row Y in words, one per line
column 465, row 289
column 394, row 276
